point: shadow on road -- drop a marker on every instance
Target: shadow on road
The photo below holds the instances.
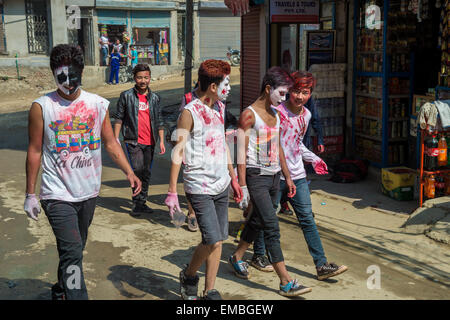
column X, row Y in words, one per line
column 159, row 284
column 24, row 289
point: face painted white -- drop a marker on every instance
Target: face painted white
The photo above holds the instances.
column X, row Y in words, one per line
column 224, row 88
column 63, row 82
column 278, row 95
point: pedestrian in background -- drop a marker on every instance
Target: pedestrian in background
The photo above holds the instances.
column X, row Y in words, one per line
column 133, row 55
column 104, row 48
column 115, row 66
column 138, row 116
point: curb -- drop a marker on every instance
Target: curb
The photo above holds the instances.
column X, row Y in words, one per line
column 327, row 195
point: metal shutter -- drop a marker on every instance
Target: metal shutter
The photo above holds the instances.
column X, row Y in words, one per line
column 250, row 57
column 218, row 31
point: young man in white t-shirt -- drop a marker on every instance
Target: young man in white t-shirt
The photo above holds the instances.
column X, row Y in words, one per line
column 207, row 173
column 66, row 130
column 295, row 118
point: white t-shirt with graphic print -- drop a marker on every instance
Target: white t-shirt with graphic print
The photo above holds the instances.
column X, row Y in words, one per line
column 71, row 157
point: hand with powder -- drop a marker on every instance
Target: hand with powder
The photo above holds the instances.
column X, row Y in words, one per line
column 172, row 202
column 31, row 206
column 320, row 167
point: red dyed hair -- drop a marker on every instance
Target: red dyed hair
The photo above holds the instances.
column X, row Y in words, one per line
column 212, row 71
column 303, row 79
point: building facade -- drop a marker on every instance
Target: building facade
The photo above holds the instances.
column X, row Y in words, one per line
column 30, row 28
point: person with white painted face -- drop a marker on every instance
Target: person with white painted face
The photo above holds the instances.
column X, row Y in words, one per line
column 260, row 160
column 66, row 130
column 229, row 121
column 207, row 174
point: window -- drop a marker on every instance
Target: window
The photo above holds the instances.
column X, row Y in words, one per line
column 37, row 26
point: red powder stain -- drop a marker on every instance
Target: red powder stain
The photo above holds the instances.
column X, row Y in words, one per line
column 224, row 91
column 210, row 143
column 202, row 112
column 207, row 100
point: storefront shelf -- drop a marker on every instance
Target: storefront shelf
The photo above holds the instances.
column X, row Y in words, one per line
column 369, row 95
column 368, row 137
column 382, row 83
column 368, row 117
column 369, row 74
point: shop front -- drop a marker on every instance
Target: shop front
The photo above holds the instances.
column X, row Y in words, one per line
column 114, row 24
column 148, row 30
column 398, row 49
column 151, row 36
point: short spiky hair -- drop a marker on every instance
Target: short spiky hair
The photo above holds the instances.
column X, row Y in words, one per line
column 141, row 67
column 212, row 71
column 66, row 54
column 276, row 77
column 303, row 79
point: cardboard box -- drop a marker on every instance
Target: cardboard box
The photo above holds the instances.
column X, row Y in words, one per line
column 398, row 182
column 392, row 178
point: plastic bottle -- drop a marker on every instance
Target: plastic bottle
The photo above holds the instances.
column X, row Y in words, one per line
column 430, row 188
column 432, row 152
column 442, row 157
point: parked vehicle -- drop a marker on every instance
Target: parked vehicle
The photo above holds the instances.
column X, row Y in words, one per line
column 234, row 56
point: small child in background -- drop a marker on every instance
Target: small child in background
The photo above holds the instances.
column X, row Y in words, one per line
column 115, row 66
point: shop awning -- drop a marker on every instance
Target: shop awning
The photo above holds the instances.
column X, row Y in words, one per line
column 117, row 17
column 150, row 19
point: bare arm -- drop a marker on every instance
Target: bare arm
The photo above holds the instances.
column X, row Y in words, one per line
column 117, row 127
column 184, row 127
column 34, row 152
column 246, row 122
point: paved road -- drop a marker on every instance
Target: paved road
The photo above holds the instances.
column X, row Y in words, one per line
column 140, row 258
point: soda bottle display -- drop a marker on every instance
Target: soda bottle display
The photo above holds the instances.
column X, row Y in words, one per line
column 439, row 186
column 430, row 188
column 432, row 152
column 442, row 157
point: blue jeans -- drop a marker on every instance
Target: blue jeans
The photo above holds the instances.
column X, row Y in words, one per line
column 70, row 222
column 104, row 53
column 301, row 203
column 114, row 73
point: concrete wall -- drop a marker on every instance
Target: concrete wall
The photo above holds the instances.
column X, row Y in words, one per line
column 15, row 28
column 58, row 21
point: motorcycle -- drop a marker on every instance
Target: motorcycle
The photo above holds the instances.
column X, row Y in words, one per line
column 234, row 56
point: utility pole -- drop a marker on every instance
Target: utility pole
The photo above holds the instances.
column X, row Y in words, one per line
column 189, row 39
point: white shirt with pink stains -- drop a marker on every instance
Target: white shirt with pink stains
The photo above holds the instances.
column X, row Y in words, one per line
column 71, row 150
column 205, row 168
column 263, row 146
column 292, row 129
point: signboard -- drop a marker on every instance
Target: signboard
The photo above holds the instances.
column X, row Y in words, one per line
column 294, row 11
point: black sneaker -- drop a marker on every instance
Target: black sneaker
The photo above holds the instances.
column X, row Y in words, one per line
column 261, row 263
column 329, row 270
column 287, row 212
column 240, row 268
column 293, row 288
column 212, row 295
column 188, row 286
column 58, row 292
column 137, row 209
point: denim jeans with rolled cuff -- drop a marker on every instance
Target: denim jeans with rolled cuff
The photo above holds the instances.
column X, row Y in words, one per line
column 301, row 203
